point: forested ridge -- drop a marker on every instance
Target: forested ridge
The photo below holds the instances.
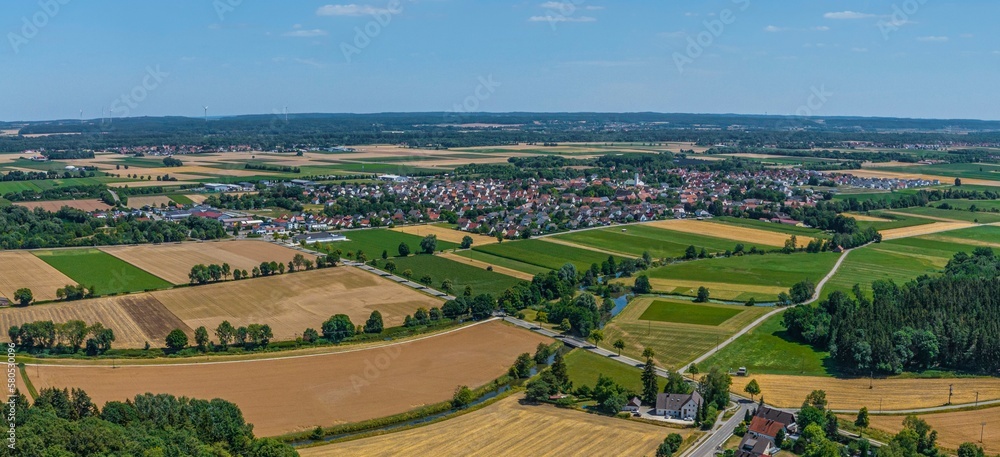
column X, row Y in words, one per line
column 950, row 321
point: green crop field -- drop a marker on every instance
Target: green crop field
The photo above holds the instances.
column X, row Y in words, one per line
column 967, row 216
column 502, row 262
column 983, row 171
column 460, row 274
column 583, row 368
column 105, row 272
column 180, row 199
column 773, row 270
column 374, row 241
column 981, row 205
column 688, row 313
column 636, row 239
column 987, row 235
column 768, row 349
column 895, row 221
column 769, row 226
column 544, row 254
column 675, row 344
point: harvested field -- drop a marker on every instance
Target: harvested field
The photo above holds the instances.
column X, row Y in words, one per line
column 895, row 393
column 513, row 428
column 864, row 218
column 926, row 229
column 147, row 183
column 22, row 269
column 154, row 319
column 197, row 198
column 297, row 393
column 496, row 269
column 56, row 205
column 108, row 311
column 154, row 201
column 744, row 234
column 446, row 234
column 290, row 303
column 953, row 428
column 173, row 262
column 877, row 173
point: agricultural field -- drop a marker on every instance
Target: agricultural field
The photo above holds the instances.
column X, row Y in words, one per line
column 55, row 205
column 292, row 302
column 917, row 230
column 891, row 221
column 460, row 274
column 897, row 393
column 373, row 242
column 954, row 428
column 154, row 201
column 510, row 427
column 688, row 313
column 768, row 349
column 323, row 389
column 484, row 265
column 981, row 205
column 743, row 233
column 544, row 254
column 106, row 273
column 761, row 277
column 21, row 269
column 445, row 233
column 966, row 171
column 485, row 259
column 676, row 344
column 135, row 319
column 950, row 215
column 911, row 172
column 173, row 262
column 633, row 240
column 769, row 226
column 584, row 367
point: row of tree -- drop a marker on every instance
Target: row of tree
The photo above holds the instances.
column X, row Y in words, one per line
column 69, row 337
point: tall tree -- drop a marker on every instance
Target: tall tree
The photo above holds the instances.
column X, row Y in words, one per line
column 650, row 383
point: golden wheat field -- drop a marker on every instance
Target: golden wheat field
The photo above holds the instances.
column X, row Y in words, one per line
column 173, row 262
column 290, row 303
column 480, row 264
column 293, row 394
column 953, row 428
column 509, row 427
column 153, row 201
column 865, row 218
column 894, row 393
column 55, row 205
column 729, row 232
column 109, row 311
column 926, row 229
column 22, row 269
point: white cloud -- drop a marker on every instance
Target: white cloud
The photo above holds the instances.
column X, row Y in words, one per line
column 848, row 15
column 351, row 9
column 309, row 62
column 773, row 29
column 967, row 35
column 933, row 39
column 859, row 49
column 821, row 28
column 558, row 18
column 303, row 33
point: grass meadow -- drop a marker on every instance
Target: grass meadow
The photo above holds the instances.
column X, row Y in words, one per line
column 544, row 254
column 105, row 272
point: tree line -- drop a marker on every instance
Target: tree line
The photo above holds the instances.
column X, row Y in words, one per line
column 67, row 337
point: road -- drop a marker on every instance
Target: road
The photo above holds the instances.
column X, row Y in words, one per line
column 744, row 330
column 721, row 432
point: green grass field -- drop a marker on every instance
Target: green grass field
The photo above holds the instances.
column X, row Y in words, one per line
column 105, row 272
column 460, row 274
column 635, row 239
column 502, row 262
column 44, row 184
column 982, row 205
column 688, row 313
column 967, row 216
column 771, row 227
column 180, row 199
column 985, row 171
column 544, row 254
column 775, row 270
column 767, row 349
column 676, row 344
column 895, row 221
column 583, row 368
column 374, row 241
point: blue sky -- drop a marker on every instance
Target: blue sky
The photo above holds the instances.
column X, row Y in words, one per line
column 912, row 58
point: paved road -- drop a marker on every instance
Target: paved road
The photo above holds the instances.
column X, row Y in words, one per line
column 721, row 432
column 744, row 330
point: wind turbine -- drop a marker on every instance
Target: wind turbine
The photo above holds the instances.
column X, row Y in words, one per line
column 286, row 114
column 81, row 116
column 206, row 114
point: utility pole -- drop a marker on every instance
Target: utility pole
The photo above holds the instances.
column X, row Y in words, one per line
column 981, row 430
column 880, row 405
column 951, row 390
column 977, row 399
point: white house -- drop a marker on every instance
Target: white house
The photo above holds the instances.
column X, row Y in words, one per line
column 678, row 406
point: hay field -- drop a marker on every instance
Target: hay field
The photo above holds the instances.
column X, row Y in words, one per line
column 508, row 427
column 445, row 234
column 895, row 393
column 290, row 303
column 153, row 201
column 480, row 264
column 676, row 344
column 108, row 311
column 173, row 262
column 298, row 393
column 22, row 269
column 926, row 229
column 56, row 205
column 744, row 234
column 865, row 218
column 953, row 428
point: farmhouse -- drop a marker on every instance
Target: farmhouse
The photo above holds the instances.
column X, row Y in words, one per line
column 678, row 406
column 320, row 237
column 633, row 405
column 766, row 425
column 752, row 447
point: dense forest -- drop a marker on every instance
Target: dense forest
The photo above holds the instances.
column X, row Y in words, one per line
column 951, row 321
column 22, row 228
column 65, row 422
